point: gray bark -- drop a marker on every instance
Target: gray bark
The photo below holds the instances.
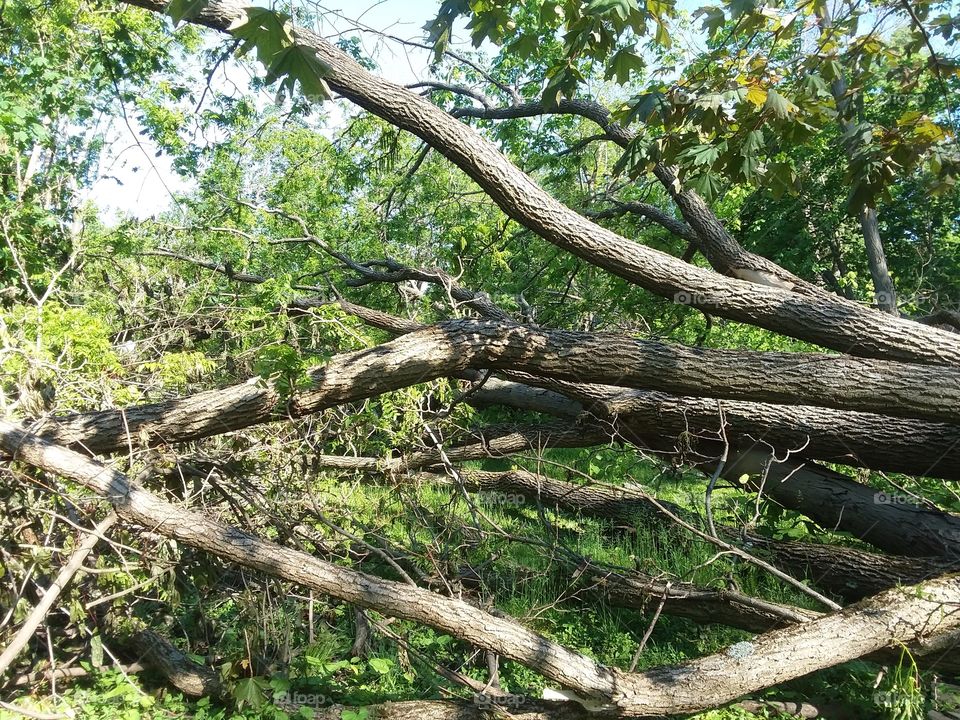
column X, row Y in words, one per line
column 450, row 347
column 885, row 294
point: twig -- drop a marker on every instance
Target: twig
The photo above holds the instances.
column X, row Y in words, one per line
column 708, row 495
column 650, row 627
column 10, row 707
column 733, row 549
column 53, row 592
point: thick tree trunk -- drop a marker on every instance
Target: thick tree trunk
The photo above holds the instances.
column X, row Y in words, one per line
column 889, row 522
column 189, row 677
column 871, row 440
column 842, row 382
column 827, row 497
column 437, row 351
column 203, row 414
column 907, row 615
column 886, row 521
column 832, row 500
column 823, row 319
column 879, row 442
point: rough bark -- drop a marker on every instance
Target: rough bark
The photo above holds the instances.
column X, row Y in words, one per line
column 832, row 500
column 203, row 414
column 723, row 252
column 480, row 707
column 190, row 677
column 871, row 440
column 677, row 432
column 837, row 381
column 820, row 318
column 902, row 615
column 524, row 397
column 885, row 294
column 847, row 572
column 702, row 605
column 439, row 351
column 879, row 442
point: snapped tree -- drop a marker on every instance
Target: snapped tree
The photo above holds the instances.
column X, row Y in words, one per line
column 862, row 386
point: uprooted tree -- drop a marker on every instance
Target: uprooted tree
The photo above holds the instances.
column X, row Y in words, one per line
column 499, row 310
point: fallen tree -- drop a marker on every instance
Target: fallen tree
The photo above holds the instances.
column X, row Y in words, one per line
column 886, row 399
column 914, row 614
column 820, row 318
column 824, row 495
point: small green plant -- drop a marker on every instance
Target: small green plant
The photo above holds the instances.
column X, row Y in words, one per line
column 900, row 693
column 360, row 714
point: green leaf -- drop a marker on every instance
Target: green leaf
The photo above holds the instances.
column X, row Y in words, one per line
column 438, row 29
column 381, row 665
column 783, row 179
column 524, row 46
column 249, row 692
column 271, row 33
column 299, row 63
column 646, row 106
column 701, row 155
column 622, row 64
column 752, row 143
column 708, row 184
column 621, row 8
column 779, row 105
column 184, row 10
column 713, row 19
column 268, row 31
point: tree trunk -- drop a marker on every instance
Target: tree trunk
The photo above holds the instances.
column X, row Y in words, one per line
column 851, row 574
column 837, row 381
column 885, row 294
